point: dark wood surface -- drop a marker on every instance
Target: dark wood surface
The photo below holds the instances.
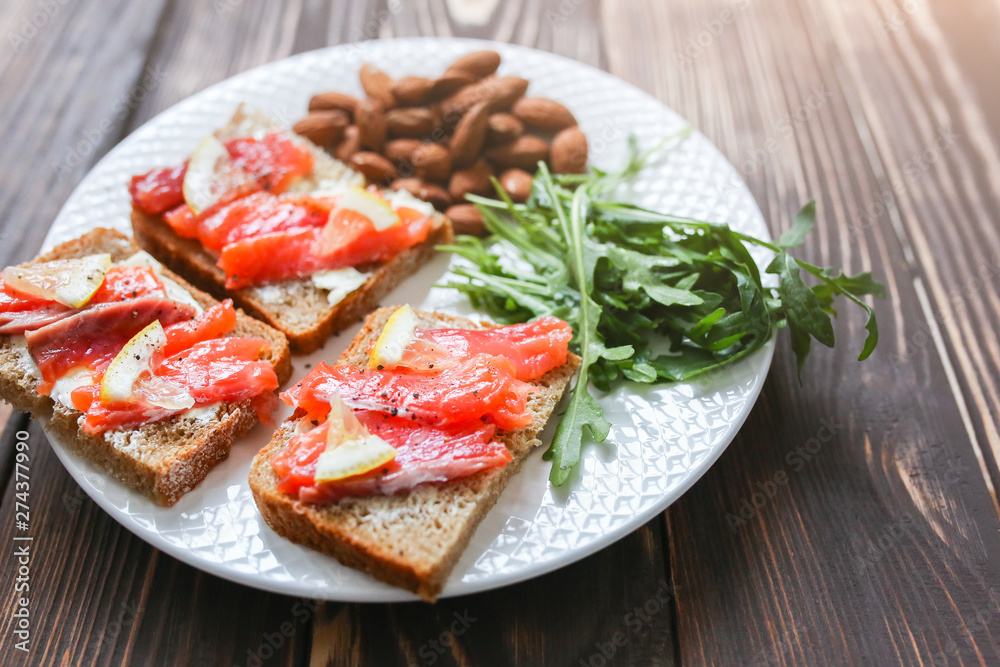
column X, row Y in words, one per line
column 875, row 538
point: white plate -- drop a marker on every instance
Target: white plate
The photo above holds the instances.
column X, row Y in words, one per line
column 663, row 439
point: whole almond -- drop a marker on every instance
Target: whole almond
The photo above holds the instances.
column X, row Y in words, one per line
column 432, row 162
column 470, row 132
column 466, row 219
column 412, row 91
column 475, row 179
column 569, row 152
column 401, row 150
column 524, row 153
column 543, row 113
column 333, row 101
column 499, row 92
column 377, row 84
column 477, row 63
column 323, row 128
column 371, row 121
column 349, row 145
column 414, row 122
column 376, row 168
column 503, row 128
column 428, row 192
column 517, row 184
column 449, row 83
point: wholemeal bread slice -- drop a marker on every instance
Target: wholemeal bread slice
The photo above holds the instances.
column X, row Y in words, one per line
column 162, row 460
column 414, row 539
column 297, row 308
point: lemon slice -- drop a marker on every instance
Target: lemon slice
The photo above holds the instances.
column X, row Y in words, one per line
column 391, row 343
column 350, row 448
column 205, row 178
column 71, row 282
column 120, row 381
column 369, row 205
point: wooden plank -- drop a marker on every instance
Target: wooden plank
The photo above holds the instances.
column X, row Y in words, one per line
column 564, row 617
column 99, row 594
column 868, row 531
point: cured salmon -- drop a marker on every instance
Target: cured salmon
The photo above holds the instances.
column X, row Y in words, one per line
column 533, row 348
column 424, row 454
column 479, row 387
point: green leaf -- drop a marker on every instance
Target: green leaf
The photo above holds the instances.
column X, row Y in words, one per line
column 804, row 222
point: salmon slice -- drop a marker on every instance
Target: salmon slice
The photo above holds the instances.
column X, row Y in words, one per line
column 424, row 454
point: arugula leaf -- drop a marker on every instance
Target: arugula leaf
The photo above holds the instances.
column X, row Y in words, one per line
column 651, row 297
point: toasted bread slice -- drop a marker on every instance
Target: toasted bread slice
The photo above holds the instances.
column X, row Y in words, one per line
column 297, row 308
column 414, row 539
column 163, row 460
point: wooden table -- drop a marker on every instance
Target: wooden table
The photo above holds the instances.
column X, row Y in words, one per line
column 881, row 546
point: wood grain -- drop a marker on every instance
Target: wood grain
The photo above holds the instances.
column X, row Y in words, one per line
column 853, row 521
column 879, row 547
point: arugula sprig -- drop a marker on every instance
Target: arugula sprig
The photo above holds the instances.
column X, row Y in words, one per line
column 651, row 297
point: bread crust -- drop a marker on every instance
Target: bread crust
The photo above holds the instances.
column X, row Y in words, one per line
column 163, row 460
column 417, row 554
column 320, row 320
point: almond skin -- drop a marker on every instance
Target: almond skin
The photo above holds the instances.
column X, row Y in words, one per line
column 412, row 91
column 349, row 145
column 475, row 179
column 376, row 168
column 401, row 150
column 467, row 142
column 478, row 63
column 432, row 162
column 517, row 184
column 377, row 84
column 412, row 122
column 428, row 192
column 371, row 121
column 499, row 92
column 323, row 128
column 503, row 128
column 450, row 83
column 524, row 153
column 466, row 219
column 333, row 101
column 542, row 113
column 569, row 152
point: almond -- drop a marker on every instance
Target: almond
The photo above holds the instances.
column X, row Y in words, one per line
column 333, row 101
column 349, row 145
column 503, row 128
column 376, row 168
column 569, row 152
column 432, row 162
column 450, row 83
column 466, row 219
column 323, row 128
column 412, row 91
column 377, row 84
column 428, row 192
column 401, row 150
column 370, row 119
column 499, row 92
column 543, row 113
column 470, row 132
column 517, row 184
column 524, row 152
column 477, row 64
column 414, row 122
column 475, row 179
